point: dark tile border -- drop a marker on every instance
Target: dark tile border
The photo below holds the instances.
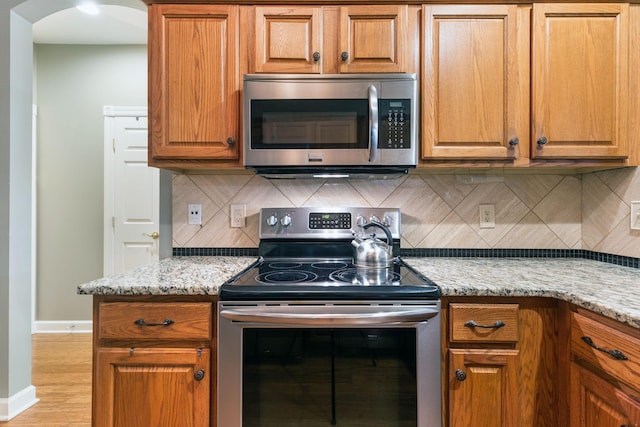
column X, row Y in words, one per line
column 456, row 253
column 252, row 252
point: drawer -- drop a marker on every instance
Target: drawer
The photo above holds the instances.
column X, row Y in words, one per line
column 608, row 339
column 155, row 321
column 483, row 322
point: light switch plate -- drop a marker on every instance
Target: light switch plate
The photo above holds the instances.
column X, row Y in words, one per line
column 635, row 215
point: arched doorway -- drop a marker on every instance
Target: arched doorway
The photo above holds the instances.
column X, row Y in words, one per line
column 16, row 195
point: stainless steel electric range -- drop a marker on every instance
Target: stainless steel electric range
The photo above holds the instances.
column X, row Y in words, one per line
column 315, row 334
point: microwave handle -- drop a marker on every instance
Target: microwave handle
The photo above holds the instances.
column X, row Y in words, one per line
column 373, row 123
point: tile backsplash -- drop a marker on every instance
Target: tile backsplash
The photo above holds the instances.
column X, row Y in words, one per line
column 589, row 211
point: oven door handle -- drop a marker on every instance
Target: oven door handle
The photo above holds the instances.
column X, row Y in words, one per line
column 342, row 316
column 373, row 123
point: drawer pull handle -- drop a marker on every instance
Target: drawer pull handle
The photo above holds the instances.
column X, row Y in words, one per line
column 473, row 324
column 165, row 322
column 616, row 354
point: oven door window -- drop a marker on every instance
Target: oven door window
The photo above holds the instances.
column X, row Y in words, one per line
column 310, row 123
column 316, row 377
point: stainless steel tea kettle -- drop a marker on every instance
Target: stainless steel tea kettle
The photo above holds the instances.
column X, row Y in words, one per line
column 372, row 252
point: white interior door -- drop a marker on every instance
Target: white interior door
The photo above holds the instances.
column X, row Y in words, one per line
column 131, row 229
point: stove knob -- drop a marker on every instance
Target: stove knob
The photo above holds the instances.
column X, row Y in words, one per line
column 272, row 220
column 286, row 220
column 360, row 221
column 387, row 220
column 374, row 218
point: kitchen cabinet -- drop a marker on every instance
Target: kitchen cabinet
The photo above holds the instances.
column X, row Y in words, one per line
column 501, row 85
column 332, row 39
column 605, row 372
column 152, row 362
column 580, row 81
column 475, row 86
column 194, row 86
column 500, row 362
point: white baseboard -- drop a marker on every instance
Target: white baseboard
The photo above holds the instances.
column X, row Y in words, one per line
column 18, row 403
column 62, row 326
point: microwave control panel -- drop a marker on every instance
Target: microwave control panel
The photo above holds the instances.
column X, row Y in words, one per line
column 394, row 123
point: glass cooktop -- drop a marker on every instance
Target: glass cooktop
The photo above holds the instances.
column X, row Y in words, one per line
column 326, row 279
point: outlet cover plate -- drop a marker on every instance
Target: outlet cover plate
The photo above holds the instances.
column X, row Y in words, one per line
column 195, row 213
column 487, row 216
column 238, row 214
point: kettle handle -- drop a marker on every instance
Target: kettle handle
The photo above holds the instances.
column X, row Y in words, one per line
column 383, row 228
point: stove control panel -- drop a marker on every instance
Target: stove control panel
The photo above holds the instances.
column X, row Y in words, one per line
column 336, row 223
column 330, row 221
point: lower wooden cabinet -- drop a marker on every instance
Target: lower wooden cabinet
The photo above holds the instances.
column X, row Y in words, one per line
column 597, row 403
column 153, row 361
column 157, row 387
column 605, row 372
column 500, row 358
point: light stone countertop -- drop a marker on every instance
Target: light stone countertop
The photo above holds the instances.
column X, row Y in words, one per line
column 191, row 275
column 607, row 289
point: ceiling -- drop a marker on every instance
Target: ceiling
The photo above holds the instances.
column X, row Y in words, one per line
column 113, row 25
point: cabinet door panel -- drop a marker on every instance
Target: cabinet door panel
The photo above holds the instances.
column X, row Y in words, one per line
column 194, row 82
column 286, row 39
column 580, row 80
column 474, row 87
column 152, row 387
column 597, row 403
column 375, row 38
column 488, row 394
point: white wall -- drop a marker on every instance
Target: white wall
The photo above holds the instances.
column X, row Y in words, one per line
column 73, row 84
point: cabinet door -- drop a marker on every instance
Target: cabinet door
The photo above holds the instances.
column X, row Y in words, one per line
column 580, row 80
column 597, row 403
column 156, row 387
column 483, row 388
column 374, row 39
column 288, row 40
column 475, row 86
column 193, row 82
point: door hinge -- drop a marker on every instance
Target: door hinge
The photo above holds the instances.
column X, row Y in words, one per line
column 113, row 222
column 113, row 142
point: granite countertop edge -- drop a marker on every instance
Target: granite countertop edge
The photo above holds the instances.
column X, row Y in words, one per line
column 606, row 289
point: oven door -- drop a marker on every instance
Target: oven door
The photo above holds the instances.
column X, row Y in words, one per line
column 317, row 364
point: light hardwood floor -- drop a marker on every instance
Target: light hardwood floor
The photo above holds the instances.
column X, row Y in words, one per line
column 61, row 373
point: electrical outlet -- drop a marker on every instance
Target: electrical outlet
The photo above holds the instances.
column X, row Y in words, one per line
column 195, row 214
column 487, row 216
column 238, row 213
column 635, row 215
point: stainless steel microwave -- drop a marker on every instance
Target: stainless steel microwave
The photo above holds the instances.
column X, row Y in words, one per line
column 338, row 125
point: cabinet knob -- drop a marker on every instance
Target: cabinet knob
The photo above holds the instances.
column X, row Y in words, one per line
column 199, row 375
column 461, row 375
column 231, row 141
column 344, row 56
column 542, row 140
column 316, row 56
column 514, row 141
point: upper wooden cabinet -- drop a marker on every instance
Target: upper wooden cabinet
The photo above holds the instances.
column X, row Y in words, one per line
column 194, row 85
column 332, row 39
column 580, row 80
column 475, row 82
